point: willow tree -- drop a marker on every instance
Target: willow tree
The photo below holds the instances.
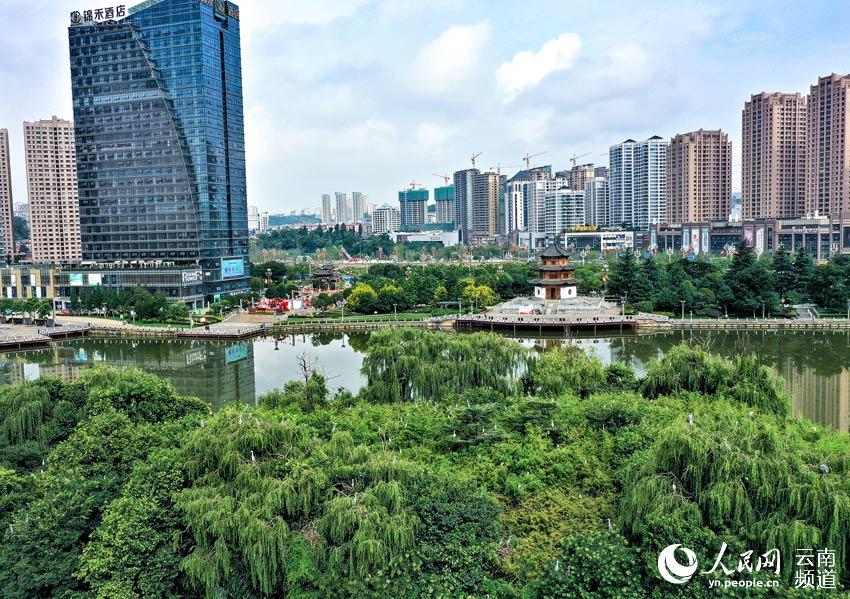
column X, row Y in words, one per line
column 413, row 365
column 691, row 369
column 269, row 505
column 756, row 480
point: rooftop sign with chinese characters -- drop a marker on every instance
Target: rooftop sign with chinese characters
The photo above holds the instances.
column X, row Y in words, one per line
column 222, row 8
column 98, row 14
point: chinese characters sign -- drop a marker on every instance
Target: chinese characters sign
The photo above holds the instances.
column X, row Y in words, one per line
column 98, row 14
column 813, row 568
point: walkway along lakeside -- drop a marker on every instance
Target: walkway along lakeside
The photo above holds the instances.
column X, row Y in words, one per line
column 40, row 337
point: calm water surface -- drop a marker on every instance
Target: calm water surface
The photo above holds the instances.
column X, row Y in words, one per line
column 815, row 365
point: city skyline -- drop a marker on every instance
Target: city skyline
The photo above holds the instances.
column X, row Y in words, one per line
column 369, row 119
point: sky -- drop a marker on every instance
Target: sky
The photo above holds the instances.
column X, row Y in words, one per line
column 371, row 95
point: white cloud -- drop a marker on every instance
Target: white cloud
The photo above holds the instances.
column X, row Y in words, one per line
column 433, row 138
column 257, row 15
column 527, row 68
column 445, row 61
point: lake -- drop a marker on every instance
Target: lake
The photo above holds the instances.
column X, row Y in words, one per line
column 816, row 365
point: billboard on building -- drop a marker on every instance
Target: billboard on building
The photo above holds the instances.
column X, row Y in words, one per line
column 76, row 279
column 235, row 353
column 705, row 245
column 695, row 240
column 759, row 241
column 95, row 280
column 232, row 268
column 748, row 236
column 686, row 239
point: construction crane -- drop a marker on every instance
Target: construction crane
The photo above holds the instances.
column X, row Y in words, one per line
column 575, row 158
column 528, row 157
column 414, row 184
column 446, row 179
column 499, row 166
column 474, row 158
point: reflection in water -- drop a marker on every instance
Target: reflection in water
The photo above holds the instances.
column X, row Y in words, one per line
column 218, row 373
column 816, row 365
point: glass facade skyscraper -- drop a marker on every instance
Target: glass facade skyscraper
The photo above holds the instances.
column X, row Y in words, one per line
column 160, row 138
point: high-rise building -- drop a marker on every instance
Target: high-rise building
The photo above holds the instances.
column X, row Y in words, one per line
column 477, row 204
column 464, row 184
column 445, row 199
column 773, row 152
column 596, row 202
column 600, row 171
column 638, row 183
column 413, row 204
column 385, row 219
column 160, row 143
column 541, row 183
column 53, row 194
column 263, row 222
column 6, row 212
column 578, row 175
column 253, row 219
column 699, row 177
column 344, row 212
column 828, row 147
column 516, row 198
column 485, row 205
column 564, row 209
column 358, row 202
column 327, row 209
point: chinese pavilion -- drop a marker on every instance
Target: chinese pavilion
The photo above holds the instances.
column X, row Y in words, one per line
column 555, row 275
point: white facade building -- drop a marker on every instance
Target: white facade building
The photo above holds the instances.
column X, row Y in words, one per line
column 263, row 222
column 327, row 209
column 253, row 219
column 385, row 219
column 564, row 209
column 638, row 183
column 596, row 202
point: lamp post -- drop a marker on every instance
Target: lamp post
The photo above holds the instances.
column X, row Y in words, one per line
column 395, row 311
column 683, row 308
column 762, row 310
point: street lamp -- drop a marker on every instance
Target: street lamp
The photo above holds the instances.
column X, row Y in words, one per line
column 395, row 311
column 683, row 308
column 762, row 310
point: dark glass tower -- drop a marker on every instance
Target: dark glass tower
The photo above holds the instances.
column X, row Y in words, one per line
column 160, row 138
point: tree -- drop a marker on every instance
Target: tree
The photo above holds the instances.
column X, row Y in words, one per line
column 750, row 283
column 783, row 271
column 21, row 228
column 362, row 299
column 623, row 280
column 803, row 269
column 479, row 295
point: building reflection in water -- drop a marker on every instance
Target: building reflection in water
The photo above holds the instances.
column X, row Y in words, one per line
column 219, row 373
column 814, row 364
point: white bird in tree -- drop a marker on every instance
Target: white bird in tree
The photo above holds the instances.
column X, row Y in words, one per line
column 253, row 457
column 690, row 419
column 674, row 487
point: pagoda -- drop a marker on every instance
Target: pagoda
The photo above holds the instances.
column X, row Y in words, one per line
column 555, row 275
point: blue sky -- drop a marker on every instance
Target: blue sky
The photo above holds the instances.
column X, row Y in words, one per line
column 368, row 95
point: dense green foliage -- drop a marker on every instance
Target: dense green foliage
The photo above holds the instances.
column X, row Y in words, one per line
column 742, row 286
column 468, row 466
